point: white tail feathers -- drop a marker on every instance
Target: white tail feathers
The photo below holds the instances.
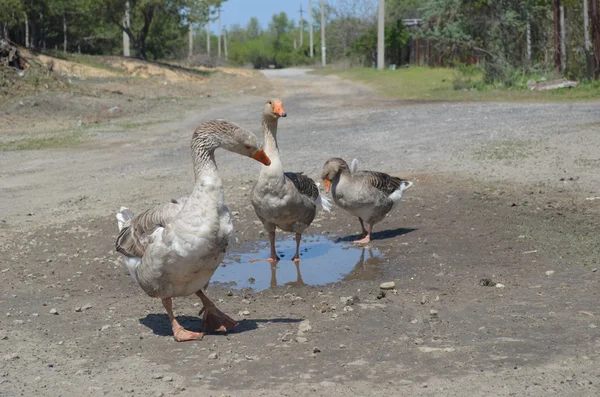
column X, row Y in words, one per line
column 354, row 166
column 124, row 216
column 405, row 185
column 397, row 194
column 323, row 201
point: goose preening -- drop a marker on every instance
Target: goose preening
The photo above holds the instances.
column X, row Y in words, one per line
column 369, row 195
column 173, row 249
column 287, row 200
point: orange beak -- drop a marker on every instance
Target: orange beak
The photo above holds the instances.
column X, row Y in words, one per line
column 261, row 156
column 279, row 110
column 327, row 184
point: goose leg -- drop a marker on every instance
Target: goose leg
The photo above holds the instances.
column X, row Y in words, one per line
column 274, row 256
column 367, row 238
column 179, row 333
column 296, row 257
column 274, row 273
column 214, row 319
column 362, row 226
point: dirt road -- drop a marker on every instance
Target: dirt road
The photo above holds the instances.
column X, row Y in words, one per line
column 503, row 191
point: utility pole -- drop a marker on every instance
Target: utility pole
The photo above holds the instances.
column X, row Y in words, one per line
column 225, row 43
column 557, row 60
column 323, row 46
column 380, row 35
column 126, row 51
column 219, row 34
column 301, row 27
column 586, row 38
column 563, row 41
column 208, row 38
column 310, row 28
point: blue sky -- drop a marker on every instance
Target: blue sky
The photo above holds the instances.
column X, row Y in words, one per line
column 240, row 11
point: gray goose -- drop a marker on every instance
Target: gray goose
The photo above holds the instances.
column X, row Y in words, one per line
column 173, row 249
column 286, row 200
column 369, row 195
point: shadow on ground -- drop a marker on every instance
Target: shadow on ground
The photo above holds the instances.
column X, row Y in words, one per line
column 159, row 324
column 382, row 235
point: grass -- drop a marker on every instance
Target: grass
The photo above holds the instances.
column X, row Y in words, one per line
column 507, row 151
column 62, row 139
column 437, row 84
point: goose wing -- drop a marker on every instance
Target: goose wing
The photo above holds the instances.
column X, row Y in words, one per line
column 381, row 181
column 134, row 237
column 304, row 184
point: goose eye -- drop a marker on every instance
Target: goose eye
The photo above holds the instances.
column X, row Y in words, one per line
column 248, row 147
column 270, row 103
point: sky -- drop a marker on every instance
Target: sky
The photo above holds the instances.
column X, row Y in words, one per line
column 240, row 11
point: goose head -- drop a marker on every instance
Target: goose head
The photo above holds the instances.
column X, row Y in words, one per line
column 331, row 169
column 274, row 109
column 245, row 143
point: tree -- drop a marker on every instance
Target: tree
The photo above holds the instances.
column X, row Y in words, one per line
column 142, row 13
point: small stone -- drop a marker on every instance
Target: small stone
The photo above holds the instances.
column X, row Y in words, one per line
column 244, row 313
column 388, row 285
column 213, row 356
column 199, row 376
column 83, row 372
column 592, row 326
column 35, row 314
column 348, row 309
column 78, row 309
column 349, row 300
column 316, row 350
column 11, row 357
column 487, row 282
column 381, row 295
column 595, row 269
column 424, row 299
column 301, row 339
column 4, row 337
column 105, row 327
column 229, row 293
column 251, row 358
column 414, row 321
column 342, row 346
column 500, row 285
column 18, row 322
column 304, row 326
column 433, row 312
column 159, row 394
column 549, row 272
column 87, row 306
column 168, row 379
column 157, row 376
column 53, row 311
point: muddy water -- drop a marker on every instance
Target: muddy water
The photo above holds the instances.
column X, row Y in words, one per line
column 322, row 261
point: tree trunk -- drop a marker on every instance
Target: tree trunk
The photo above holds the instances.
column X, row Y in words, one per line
column 26, row 31
column 190, row 41
column 64, row 32
column 126, row 47
column 5, row 30
column 595, row 25
column 557, row 60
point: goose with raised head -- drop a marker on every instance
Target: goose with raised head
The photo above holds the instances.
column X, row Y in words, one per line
column 286, row 200
column 369, row 195
column 173, row 249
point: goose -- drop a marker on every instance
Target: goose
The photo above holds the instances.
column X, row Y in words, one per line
column 287, row 200
column 369, row 195
column 172, row 250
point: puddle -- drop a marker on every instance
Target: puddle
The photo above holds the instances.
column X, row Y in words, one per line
column 322, row 261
